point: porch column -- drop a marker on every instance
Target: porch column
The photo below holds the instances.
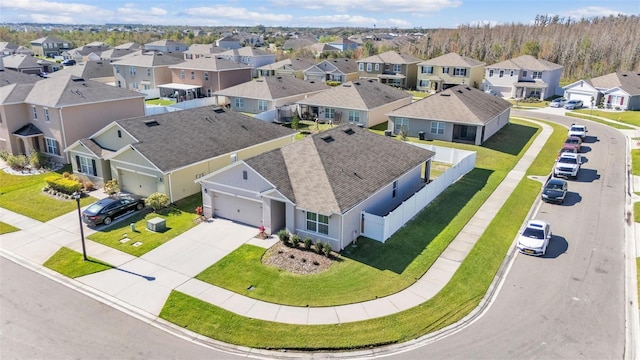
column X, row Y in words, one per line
column 478, row 135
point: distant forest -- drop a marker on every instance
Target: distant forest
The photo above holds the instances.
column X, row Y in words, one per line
column 586, row 48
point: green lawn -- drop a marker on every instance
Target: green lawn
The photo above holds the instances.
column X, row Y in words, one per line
column 524, row 104
column 636, row 212
column 6, row 228
column 70, row 264
column 23, row 194
column 615, row 125
column 418, row 95
column 635, row 161
column 161, row 102
column 627, row 117
column 179, row 218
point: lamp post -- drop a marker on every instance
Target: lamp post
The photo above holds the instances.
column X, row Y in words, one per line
column 76, row 195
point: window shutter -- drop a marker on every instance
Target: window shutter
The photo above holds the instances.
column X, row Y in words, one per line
column 93, row 164
column 621, row 100
column 78, row 163
column 57, row 147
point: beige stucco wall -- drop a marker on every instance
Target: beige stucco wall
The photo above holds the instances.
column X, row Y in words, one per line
column 109, row 139
column 13, row 117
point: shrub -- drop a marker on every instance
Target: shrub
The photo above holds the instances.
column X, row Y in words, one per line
column 308, row 243
column 17, row 162
column 66, row 174
column 319, row 246
column 332, row 83
column 36, row 159
column 157, row 201
column 4, row 154
column 295, row 240
column 111, row 187
column 403, row 133
column 88, row 185
column 295, row 121
column 283, row 235
column 63, row 185
column 326, row 249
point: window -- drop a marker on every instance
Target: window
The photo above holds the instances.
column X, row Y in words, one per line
column 177, row 48
column 245, row 175
column 193, row 75
column 147, row 86
column 491, row 73
column 361, row 67
column 399, row 124
column 119, row 83
column 119, row 133
column 511, row 73
column 35, row 112
column 262, row 105
column 368, row 67
column 135, row 85
column 329, row 113
column 117, row 69
column 377, row 67
column 239, row 102
column 437, row 127
column 501, row 74
column 460, row 72
column 132, row 70
column 317, row 223
column 397, row 68
column 354, row 116
column 86, row 165
column 445, row 70
column 427, row 69
column 52, row 146
column 395, row 189
column 148, row 71
column 524, row 73
column 536, row 74
column 208, row 92
column 206, row 76
column 424, row 83
column 181, row 74
column 46, row 115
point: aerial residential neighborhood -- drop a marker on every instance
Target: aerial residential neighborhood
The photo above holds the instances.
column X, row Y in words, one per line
column 280, row 185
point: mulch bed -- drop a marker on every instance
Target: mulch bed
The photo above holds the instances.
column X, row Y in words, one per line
column 296, row 260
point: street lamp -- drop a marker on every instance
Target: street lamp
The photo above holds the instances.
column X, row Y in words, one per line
column 76, row 195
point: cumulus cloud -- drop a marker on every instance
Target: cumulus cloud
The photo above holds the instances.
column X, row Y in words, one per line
column 368, row 6
column 52, row 11
column 237, row 14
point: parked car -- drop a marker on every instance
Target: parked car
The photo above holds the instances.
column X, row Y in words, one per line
column 567, row 148
column 578, row 130
column 575, row 142
column 573, row 104
column 111, row 208
column 568, row 166
column 554, row 191
column 558, row 102
column 68, row 62
column 534, row 240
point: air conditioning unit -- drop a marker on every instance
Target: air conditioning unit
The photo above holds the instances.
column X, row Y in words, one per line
column 157, row 224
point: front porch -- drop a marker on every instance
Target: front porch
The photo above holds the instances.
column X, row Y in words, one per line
column 534, row 89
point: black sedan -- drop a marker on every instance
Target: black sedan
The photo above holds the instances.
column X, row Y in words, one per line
column 554, row 191
column 107, row 210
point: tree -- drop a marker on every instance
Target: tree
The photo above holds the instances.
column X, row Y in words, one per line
column 295, row 120
column 157, row 201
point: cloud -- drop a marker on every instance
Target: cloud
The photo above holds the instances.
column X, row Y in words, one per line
column 369, row 6
column 51, row 7
column 237, row 15
column 130, row 14
column 592, row 11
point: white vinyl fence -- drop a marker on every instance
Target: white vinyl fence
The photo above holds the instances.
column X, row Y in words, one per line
column 381, row 228
column 183, row 105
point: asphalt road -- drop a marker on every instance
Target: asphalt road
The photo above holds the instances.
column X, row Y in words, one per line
column 570, row 303
column 42, row 319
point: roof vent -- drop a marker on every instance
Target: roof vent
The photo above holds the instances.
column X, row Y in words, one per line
column 445, row 94
column 79, row 79
column 468, row 88
column 459, row 91
column 349, row 131
column 327, row 138
column 624, row 74
column 218, row 110
column 151, row 123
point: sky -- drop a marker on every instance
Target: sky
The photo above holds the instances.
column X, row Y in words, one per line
column 401, row 14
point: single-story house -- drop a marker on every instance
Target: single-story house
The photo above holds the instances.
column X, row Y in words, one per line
column 166, row 153
column 364, row 102
column 319, row 186
column 458, row 114
column 615, row 90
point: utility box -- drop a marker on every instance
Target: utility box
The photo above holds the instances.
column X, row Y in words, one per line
column 421, row 135
column 157, row 224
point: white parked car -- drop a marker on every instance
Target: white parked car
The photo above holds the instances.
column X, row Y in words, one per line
column 568, row 165
column 534, row 240
column 573, row 104
column 558, row 102
column 578, row 130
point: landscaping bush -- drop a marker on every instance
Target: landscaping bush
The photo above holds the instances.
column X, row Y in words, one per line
column 157, row 201
column 88, row 185
column 333, row 83
column 17, row 162
column 308, row 243
column 319, row 247
column 4, row 154
column 295, row 240
column 63, row 185
column 283, row 235
column 36, row 159
column 326, row 249
column 111, row 187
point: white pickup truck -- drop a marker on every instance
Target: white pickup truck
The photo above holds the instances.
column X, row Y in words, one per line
column 568, row 165
column 578, row 130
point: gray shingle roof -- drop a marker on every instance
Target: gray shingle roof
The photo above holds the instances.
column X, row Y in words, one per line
column 148, row 59
column 452, row 59
column 8, row 76
column 272, row 87
column 390, row 57
column 361, row 95
column 71, row 90
column 210, row 63
column 246, row 51
column 19, row 61
column 526, row 62
column 345, row 65
column 14, row 93
column 459, row 104
column 627, row 81
column 185, row 137
column 87, row 70
column 333, row 176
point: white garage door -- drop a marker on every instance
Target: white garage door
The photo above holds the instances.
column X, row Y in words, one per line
column 237, row 209
column 586, row 99
column 139, row 184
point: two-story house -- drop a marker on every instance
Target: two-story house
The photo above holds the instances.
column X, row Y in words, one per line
column 340, row 70
column 391, row 68
column 144, row 71
column 49, row 46
column 523, row 77
column 249, row 56
column 343, row 44
column 229, row 42
column 51, row 114
column 166, row 46
column 287, row 67
column 202, row 50
column 443, row 72
column 91, row 51
column 204, row 76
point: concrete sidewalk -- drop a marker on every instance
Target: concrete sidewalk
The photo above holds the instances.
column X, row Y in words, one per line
column 143, row 284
